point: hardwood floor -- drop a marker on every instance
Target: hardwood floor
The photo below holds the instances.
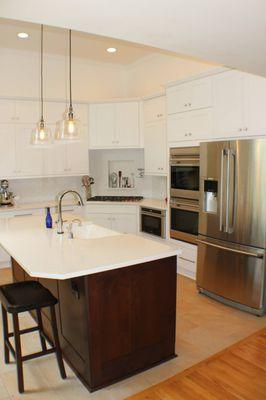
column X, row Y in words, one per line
column 237, row 373
column 204, row 327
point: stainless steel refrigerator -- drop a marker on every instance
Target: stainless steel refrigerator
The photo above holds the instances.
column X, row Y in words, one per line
column 232, row 223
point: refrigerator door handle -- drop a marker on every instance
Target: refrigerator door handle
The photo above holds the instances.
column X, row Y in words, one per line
column 231, row 204
column 243, row 252
column 221, row 225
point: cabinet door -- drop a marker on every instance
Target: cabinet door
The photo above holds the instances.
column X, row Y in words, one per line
column 27, row 112
column 154, row 109
column 55, row 158
column 7, row 145
column 104, row 220
column 127, row 125
column 29, row 159
column 102, row 126
column 7, row 111
column 124, row 223
column 77, row 155
column 53, row 111
column 200, row 95
column 177, row 99
column 81, row 112
column 155, row 148
column 199, row 124
column 255, row 105
column 177, row 127
column 228, row 104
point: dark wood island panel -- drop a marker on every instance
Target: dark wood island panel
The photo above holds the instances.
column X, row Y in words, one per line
column 116, row 323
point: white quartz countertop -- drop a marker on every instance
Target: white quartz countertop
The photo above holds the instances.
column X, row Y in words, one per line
column 43, row 253
column 150, row 203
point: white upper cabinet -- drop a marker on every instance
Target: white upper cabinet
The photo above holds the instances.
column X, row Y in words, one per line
column 7, row 111
column 29, row 160
column 19, row 159
column 102, row 125
column 154, row 109
column 154, row 131
column 254, row 105
column 7, row 146
column 228, row 92
column 189, row 96
column 27, row 112
column 155, row 148
column 195, row 125
column 127, row 133
column 114, row 125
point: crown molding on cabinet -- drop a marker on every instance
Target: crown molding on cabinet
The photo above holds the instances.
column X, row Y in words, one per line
column 205, row 74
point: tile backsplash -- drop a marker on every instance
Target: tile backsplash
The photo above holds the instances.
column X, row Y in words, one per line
column 39, row 189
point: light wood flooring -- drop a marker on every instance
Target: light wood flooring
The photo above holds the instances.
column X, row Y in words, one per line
column 204, row 327
column 237, row 373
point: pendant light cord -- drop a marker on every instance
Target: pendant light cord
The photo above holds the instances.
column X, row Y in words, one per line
column 70, row 71
column 42, row 74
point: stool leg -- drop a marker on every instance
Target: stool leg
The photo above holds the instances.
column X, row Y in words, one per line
column 18, row 354
column 40, row 326
column 57, row 344
column 5, row 334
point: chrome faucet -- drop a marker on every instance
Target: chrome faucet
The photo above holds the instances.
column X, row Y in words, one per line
column 60, row 221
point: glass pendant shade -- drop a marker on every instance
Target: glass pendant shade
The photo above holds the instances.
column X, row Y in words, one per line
column 41, row 135
column 69, row 128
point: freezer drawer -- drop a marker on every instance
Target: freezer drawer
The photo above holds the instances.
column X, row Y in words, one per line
column 236, row 273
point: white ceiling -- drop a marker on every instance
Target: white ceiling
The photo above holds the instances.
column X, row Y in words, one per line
column 229, row 32
column 84, row 45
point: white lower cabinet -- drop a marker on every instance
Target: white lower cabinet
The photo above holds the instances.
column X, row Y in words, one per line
column 121, row 218
column 187, row 262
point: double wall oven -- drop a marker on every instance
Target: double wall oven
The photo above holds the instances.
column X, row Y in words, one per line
column 184, row 193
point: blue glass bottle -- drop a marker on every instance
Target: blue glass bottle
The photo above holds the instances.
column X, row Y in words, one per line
column 48, row 220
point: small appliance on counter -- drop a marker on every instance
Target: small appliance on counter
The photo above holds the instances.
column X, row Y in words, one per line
column 87, row 181
column 6, row 197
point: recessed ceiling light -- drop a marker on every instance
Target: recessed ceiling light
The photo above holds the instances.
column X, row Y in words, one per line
column 111, row 49
column 23, row 35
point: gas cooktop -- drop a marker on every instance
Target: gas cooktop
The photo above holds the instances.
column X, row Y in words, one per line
column 116, row 198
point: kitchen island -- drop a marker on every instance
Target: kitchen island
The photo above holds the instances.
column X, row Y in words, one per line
column 116, row 292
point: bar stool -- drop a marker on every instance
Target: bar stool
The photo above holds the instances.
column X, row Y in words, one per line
column 27, row 296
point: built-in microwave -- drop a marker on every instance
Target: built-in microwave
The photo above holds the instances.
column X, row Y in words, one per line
column 184, row 219
column 152, row 221
column 184, row 172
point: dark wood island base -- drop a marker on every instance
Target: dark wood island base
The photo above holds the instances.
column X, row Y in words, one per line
column 116, row 323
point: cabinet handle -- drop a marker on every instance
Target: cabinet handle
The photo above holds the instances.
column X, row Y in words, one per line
column 245, row 129
column 189, row 104
column 185, row 134
column 240, row 129
column 190, row 134
column 185, row 105
column 75, row 289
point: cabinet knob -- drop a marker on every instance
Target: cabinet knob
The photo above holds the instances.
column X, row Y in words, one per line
column 245, row 129
column 190, row 134
column 189, row 104
column 185, row 105
column 240, row 129
column 185, row 134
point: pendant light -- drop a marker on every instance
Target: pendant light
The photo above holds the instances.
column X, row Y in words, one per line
column 41, row 134
column 69, row 128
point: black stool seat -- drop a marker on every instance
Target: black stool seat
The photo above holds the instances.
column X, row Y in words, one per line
column 25, row 296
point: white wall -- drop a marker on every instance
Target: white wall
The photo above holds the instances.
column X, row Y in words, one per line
column 148, row 75
column 152, row 187
column 19, row 77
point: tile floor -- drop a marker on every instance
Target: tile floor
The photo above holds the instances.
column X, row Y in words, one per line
column 203, row 328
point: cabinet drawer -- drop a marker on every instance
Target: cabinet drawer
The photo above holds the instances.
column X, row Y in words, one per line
column 186, row 265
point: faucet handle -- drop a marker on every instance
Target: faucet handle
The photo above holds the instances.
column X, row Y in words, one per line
column 69, row 230
column 77, row 220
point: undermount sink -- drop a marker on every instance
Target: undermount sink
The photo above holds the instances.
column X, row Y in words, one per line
column 92, row 231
